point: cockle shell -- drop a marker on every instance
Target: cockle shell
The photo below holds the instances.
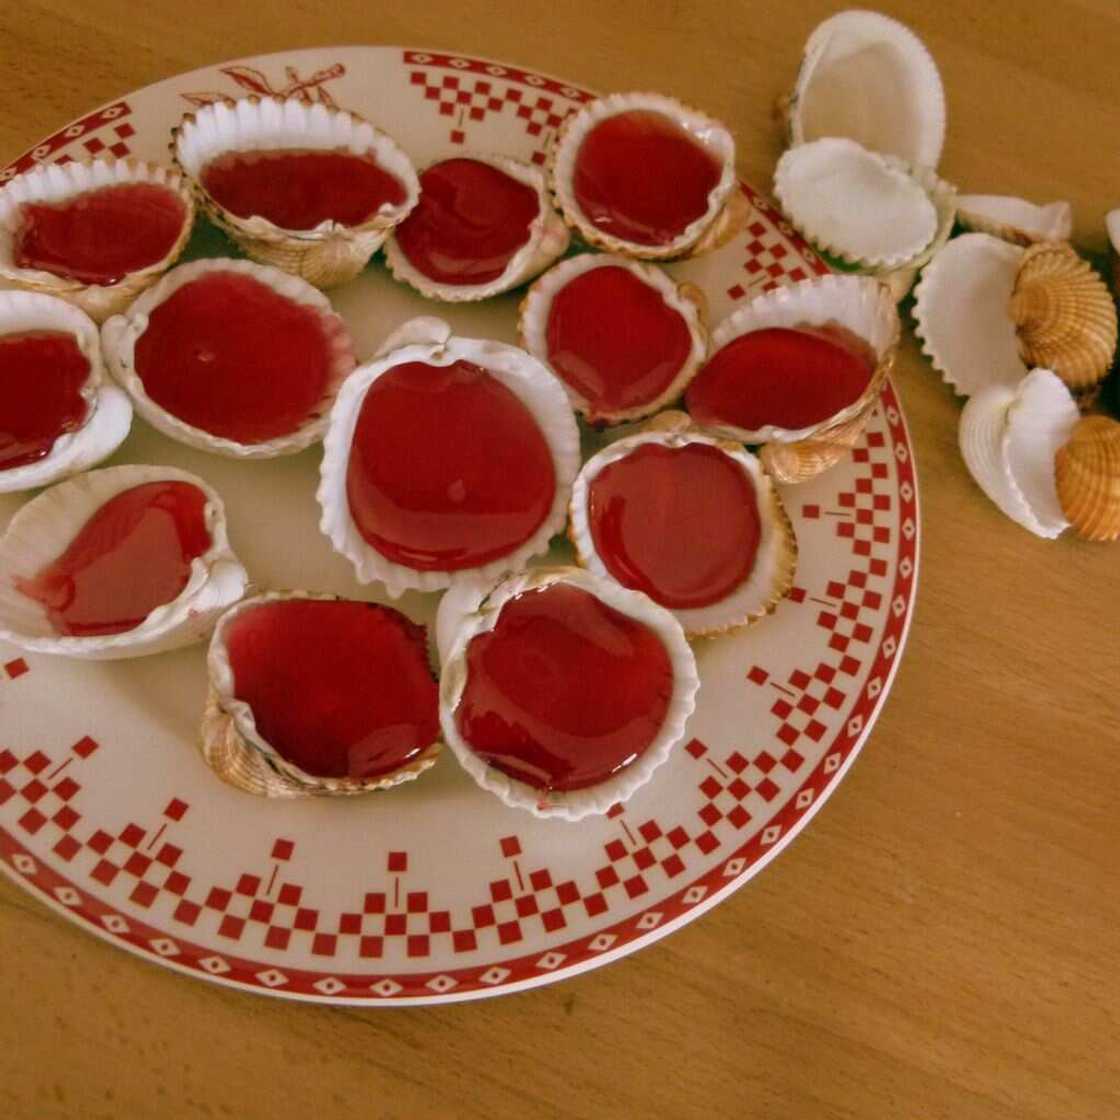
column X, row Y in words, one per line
column 472, row 609
column 1064, row 314
column 56, row 182
column 1015, row 219
column 1009, row 437
column 331, row 253
column 45, row 526
column 727, row 210
column 548, row 241
column 110, row 414
column 1087, row 470
column 235, row 750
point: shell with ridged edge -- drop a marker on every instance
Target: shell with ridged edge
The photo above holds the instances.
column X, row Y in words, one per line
column 1015, row 219
column 55, row 183
column 332, row 252
column 1064, row 315
column 1087, row 470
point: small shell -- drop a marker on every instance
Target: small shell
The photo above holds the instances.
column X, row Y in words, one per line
column 776, row 559
column 45, row 526
column 56, row 182
column 234, row 749
column 1064, row 314
column 868, row 77
column 536, row 307
column 706, row 233
column 855, row 204
column 538, row 390
column 1015, row 219
column 471, row 610
column 1112, row 223
column 548, row 241
column 961, row 313
column 1087, row 470
column 1009, row 437
column 120, row 334
column 331, row 253
column 110, row 414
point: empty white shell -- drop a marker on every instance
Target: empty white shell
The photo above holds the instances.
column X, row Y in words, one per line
column 109, row 412
column 709, row 133
column 854, row 203
column 53, row 183
column 41, row 531
column 962, row 315
column 518, row 371
column 537, row 305
column 120, row 334
column 473, row 610
column 1015, row 219
column 1009, row 437
column 868, row 77
column 548, row 241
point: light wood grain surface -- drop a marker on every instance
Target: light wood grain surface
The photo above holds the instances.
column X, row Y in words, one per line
column 942, row 941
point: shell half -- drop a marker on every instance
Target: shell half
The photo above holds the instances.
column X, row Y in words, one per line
column 1087, row 471
column 45, row 526
column 473, row 610
column 1015, row 219
column 109, row 413
column 57, row 182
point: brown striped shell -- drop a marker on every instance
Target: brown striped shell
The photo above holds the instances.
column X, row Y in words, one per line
column 1087, row 472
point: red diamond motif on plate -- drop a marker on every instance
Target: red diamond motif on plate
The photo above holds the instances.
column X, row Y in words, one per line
column 15, row 668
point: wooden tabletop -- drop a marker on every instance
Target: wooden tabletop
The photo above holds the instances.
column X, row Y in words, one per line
column 942, row 941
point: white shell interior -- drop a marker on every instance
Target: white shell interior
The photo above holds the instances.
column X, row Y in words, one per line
column 475, row 611
column 855, row 204
column 548, row 240
column 120, row 334
column 870, row 78
column 537, row 306
column 1003, row 215
column 711, row 134
column 110, row 414
column 259, row 124
column 962, row 313
column 42, row 530
column 537, row 389
column 1112, row 224
column 752, row 597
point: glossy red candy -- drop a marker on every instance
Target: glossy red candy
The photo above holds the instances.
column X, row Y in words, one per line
column 790, row 378
column 101, row 235
column 227, row 354
column 641, row 177
column 339, row 688
column 469, row 223
column 41, row 379
column 680, row 524
column 448, row 468
column 565, row 690
column 614, row 339
column 133, row 555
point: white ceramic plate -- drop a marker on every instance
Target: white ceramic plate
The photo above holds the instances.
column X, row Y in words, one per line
column 435, row 891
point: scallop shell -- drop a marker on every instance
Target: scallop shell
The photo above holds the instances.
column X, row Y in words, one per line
column 234, row 749
column 56, row 182
column 1065, row 316
column 685, row 299
column 961, row 313
column 857, row 205
column 331, row 253
column 869, row 78
column 110, row 414
column 472, row 610
column 776, row 560
column 45, row 526
column 548, row 241
column 1015, row 219
column 520, row 372
column 120, row 334
column 861, row 304
column 1087, row 472
column 1112, row 223
column 727, row 212
column 1009, row 437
